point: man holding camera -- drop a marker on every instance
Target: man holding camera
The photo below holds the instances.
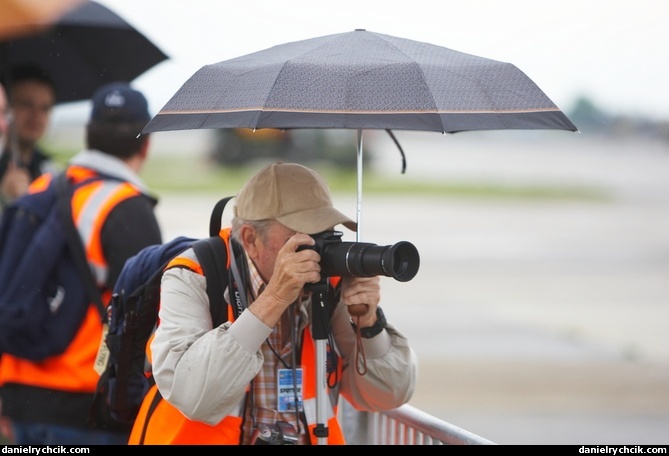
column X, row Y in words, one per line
column 256, row 374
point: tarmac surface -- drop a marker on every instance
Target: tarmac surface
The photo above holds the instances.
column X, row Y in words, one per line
column 535, row 321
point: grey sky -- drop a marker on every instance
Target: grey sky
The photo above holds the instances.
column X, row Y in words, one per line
column 614, row 51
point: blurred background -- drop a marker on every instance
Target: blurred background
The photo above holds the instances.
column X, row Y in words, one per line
column 539, row 313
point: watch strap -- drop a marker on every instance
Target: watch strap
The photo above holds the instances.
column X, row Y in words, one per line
column 376, row 328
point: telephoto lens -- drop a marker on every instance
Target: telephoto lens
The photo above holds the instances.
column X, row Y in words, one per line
column 363, row 259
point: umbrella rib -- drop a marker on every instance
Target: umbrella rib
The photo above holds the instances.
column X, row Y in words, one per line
column 420, row 70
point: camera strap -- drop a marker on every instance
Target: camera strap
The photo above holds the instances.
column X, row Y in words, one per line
column 238, row 289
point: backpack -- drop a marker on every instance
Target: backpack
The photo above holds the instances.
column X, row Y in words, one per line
column 46, row 284
column 125, row 375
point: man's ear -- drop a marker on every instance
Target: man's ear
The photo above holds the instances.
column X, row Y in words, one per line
column 249, row 238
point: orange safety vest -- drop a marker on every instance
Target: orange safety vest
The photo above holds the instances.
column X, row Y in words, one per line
column 72, row 370
column 160, row 423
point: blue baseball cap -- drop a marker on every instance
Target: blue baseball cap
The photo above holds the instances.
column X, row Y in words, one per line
column 120, row 104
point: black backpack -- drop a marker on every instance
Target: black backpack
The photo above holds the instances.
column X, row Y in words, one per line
column 133, row 313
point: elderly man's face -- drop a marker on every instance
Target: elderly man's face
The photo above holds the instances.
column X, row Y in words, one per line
column 268, row 247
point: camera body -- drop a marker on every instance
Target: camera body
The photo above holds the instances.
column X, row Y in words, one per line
column 363, row 259
column 280, row 433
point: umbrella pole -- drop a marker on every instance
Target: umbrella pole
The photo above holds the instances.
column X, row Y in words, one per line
column 321, row 329
column 358, row 233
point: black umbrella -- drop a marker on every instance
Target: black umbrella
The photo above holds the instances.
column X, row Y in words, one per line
column 85, row 48
column 360, row 80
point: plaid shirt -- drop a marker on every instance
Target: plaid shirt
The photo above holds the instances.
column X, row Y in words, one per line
column 277, row 350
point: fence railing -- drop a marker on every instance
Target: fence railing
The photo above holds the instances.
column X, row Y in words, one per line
column 405, row 425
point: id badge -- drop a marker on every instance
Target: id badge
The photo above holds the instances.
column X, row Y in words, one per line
column 286, row 389
column 102, row 357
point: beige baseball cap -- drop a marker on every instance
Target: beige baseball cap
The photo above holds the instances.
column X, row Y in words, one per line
column 294, row 195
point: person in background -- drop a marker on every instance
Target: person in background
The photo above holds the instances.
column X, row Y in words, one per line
column 49, row 402
column 5, row 425
column 32, row 95
column 254, row 376
column 4, row 114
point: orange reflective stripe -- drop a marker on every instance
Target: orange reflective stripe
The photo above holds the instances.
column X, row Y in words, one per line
column 225, row 235
column 94, row 217
column 40, row 184
column 81, row 196
column 308, row 365
column 79, row 173
column 94, row 248
column 186, row 263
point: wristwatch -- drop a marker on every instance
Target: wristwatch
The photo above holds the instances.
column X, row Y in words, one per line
column 376, row 328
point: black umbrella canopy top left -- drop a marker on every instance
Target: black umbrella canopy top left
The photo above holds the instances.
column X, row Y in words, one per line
column 82, row 50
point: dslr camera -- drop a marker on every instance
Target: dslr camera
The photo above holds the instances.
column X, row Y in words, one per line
column 280, row 433
column 363, row 259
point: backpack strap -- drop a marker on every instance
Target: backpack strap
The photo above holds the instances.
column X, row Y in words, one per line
column 74, row 243
column 216, row 215
column 213, row 256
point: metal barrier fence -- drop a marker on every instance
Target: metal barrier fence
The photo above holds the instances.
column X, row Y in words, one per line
column 405, row 425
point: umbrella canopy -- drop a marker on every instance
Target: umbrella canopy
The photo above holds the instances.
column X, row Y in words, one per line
column 360, row 80
column 83, row 49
